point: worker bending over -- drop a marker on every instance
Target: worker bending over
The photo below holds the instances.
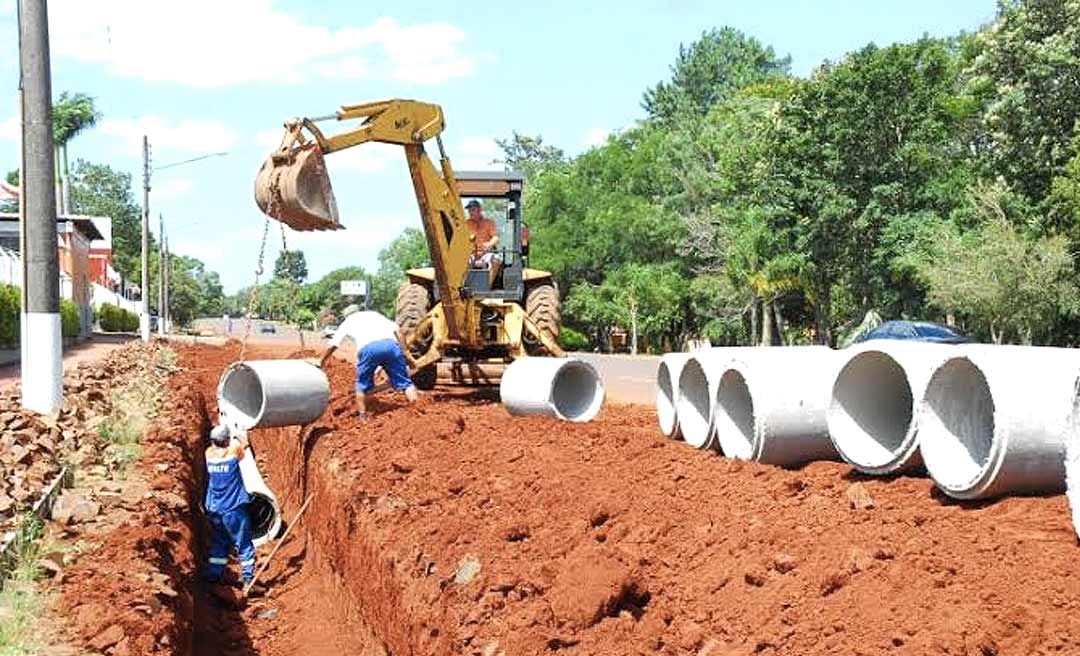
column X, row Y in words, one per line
column 378, row 343
column 227, row 505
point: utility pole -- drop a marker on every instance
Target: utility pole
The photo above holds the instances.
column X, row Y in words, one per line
column 42, row 368
column 167, row 314
column 144, row 317
column 161, row 276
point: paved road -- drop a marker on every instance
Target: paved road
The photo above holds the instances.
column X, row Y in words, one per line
column 627, row 379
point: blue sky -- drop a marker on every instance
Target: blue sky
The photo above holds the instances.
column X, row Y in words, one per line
column 201, row 76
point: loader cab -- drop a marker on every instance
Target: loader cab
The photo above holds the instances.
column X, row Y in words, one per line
column 500, row 195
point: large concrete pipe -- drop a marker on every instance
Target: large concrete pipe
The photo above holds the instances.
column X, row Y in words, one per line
column 994, row 420
column 264, row 393
column 874, row 405
column 770, row 405
column 667, row 392
column 557, row 387
column 696, row 395
column 1072, row 458
column 264, row 509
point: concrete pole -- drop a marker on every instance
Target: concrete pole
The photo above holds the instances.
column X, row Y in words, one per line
column 42, row 370
column 144, row 317
column 167, row 315
column 161, row 276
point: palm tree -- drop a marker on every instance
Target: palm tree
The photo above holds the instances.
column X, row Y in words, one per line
column 71, row 115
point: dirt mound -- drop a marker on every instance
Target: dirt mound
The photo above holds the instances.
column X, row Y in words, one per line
column 451, row 527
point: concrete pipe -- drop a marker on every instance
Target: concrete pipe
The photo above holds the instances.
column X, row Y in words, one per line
column 1072, row 458
column 874, row 403
column 770, row 405
column 264, row 509
column 994, row 420
column 696, row 399
column 667, row 392
column 556, row 387
column 264, row 393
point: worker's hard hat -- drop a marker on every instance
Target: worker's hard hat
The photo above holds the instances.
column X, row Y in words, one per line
column 220, row 434
column 472, row 203
column 350, row 310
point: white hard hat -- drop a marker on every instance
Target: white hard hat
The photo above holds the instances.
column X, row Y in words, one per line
column 220, row 434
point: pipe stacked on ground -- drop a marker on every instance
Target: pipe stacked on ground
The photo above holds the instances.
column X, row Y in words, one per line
column 667, row 392
column 875, row 400
column 696, row 396
column 265, row 393
column 771, row 402
column 994, row 420
column 556, row 387
column 1072, row 457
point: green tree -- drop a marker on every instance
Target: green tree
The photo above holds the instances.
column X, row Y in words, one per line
column 530, row 155
column 291, row 266
column 710, row 71
column 1025, row 73
column 71, row 115
column 324, row 295
column 99, row 190
column 409, row 250
column 1005, row 284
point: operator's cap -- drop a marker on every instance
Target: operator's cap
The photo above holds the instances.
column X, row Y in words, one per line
column 472, row 203
column 220, row 434
column 351, row 309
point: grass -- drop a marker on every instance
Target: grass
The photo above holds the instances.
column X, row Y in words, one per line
column 20, row 601
column 133, row 408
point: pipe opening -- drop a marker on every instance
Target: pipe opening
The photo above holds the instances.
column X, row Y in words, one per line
column 693, row 404
column 870, row 416
column 957, row 424
column 665, row 399
column 576, row 392
column 735, row 416
column 265, row 518
column 242, row 391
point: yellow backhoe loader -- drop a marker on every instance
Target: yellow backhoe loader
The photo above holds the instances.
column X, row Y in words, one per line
column 463, row 322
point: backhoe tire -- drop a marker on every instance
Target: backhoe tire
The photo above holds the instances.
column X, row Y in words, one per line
column 412, row 305
column 544, row 309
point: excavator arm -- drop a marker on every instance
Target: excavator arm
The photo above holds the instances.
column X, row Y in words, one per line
column 294, row 188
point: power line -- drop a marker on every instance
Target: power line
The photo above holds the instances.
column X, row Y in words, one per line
column 193, row 159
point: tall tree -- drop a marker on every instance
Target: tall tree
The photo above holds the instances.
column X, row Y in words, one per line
column 291, row 266
column 98, row 190
column 530, row 155
column 409, row 250
column 710, row 71
column 72, row 114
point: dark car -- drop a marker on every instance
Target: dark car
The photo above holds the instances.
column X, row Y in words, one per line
column 267, row 328
column 918, row 331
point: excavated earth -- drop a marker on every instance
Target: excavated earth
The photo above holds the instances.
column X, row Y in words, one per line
column 452, row 528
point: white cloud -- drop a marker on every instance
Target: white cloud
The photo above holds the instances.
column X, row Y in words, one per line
column 209, row 43
column 270, row 138
column 187, row 135
column 476, row 153
column 596, row 137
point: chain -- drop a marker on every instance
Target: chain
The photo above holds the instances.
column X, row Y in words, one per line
column 253, row 299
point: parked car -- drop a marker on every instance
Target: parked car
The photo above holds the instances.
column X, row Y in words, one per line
column 328, row 331
column 919, row 331
column 267, row 328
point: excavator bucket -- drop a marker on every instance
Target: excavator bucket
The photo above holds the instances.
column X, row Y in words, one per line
column 293, row 187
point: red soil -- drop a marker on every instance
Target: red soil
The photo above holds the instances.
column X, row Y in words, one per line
column 605, row 538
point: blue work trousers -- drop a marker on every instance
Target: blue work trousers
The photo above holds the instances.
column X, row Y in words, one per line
column 228, row 529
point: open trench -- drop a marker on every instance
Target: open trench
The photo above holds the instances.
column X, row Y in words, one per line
column 453, row 528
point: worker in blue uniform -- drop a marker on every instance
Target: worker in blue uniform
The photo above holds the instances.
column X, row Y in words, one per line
column 227, row 505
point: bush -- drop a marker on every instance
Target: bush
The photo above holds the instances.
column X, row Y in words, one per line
column 572, row 340
column 70, row 325
column 10, row 308
column 113, row 319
